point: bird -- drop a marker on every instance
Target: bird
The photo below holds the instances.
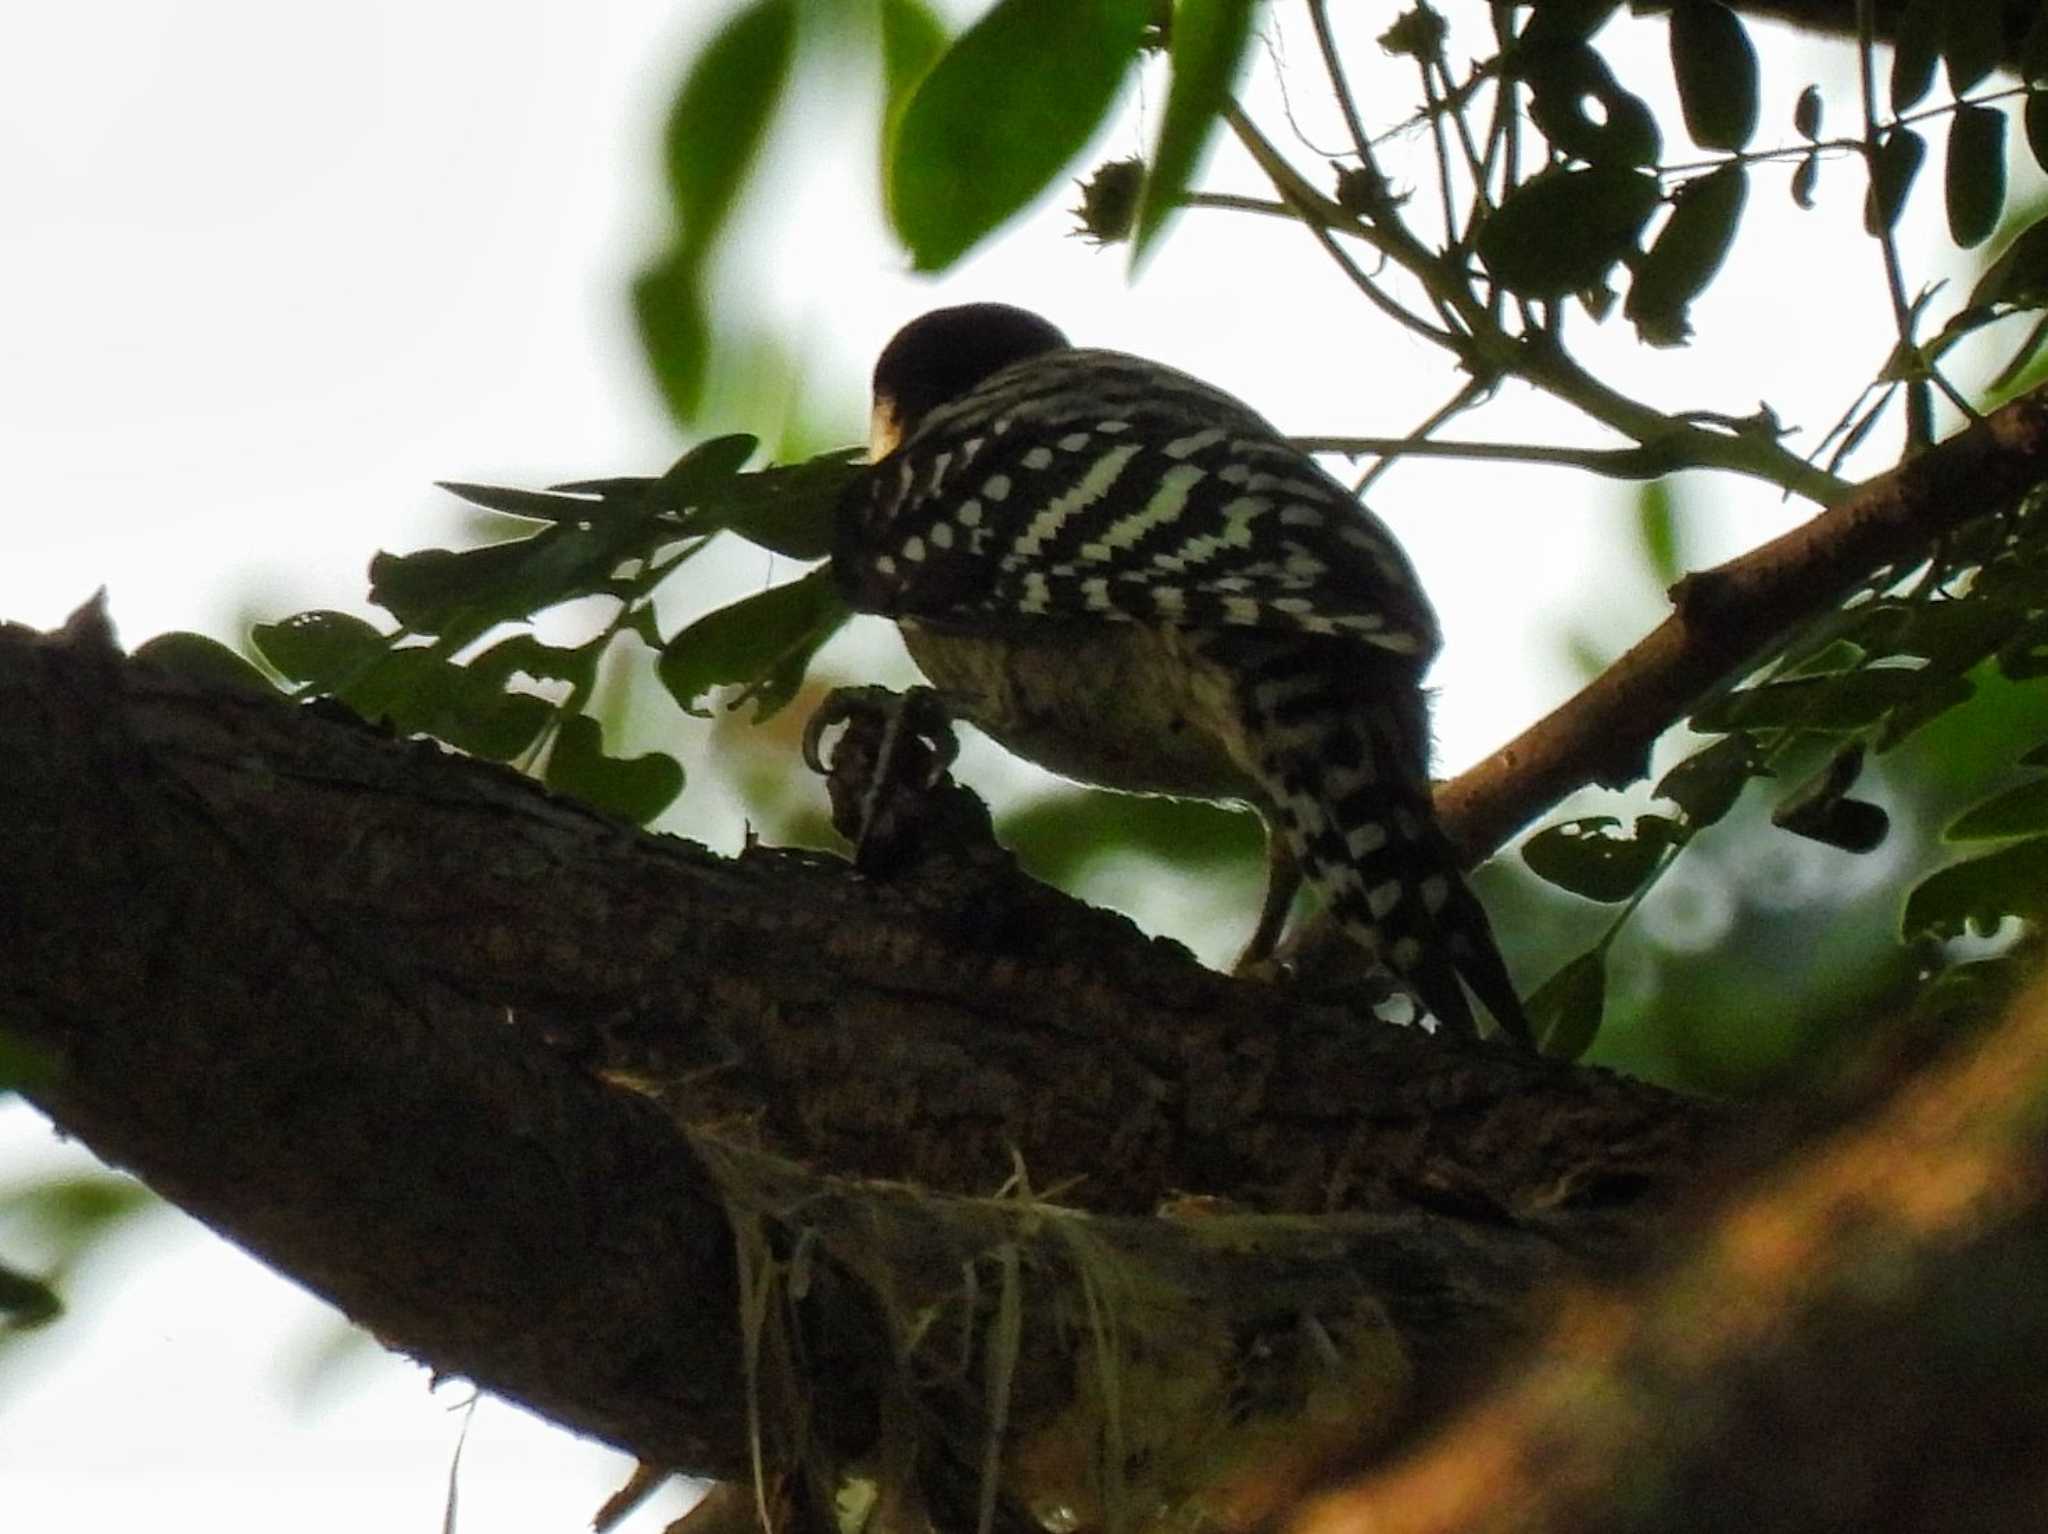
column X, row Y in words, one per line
column 1129, row 577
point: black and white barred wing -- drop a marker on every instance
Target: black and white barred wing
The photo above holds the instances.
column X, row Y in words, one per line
column 1090, row 484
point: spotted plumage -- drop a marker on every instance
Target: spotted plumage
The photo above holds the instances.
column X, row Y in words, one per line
column 1130, row 577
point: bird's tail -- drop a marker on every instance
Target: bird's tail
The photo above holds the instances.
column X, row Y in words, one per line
column 1343, row 764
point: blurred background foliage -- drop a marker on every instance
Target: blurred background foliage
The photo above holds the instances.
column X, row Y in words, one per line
column 1745, row 951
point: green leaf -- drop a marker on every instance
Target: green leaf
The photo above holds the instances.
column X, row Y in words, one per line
column 675, row 330
column 1657, row 531
column 634, row 788
column 786, row 508
column 2019, row 277
column 721, row 116
column 1059, row 836
column 913, row 38
column 1849, row 701
column 1916, row 45
column 2024, row 657
column 704, row 472
column 1975, row 179
column 1899, row 155
column 2021, row 811
column 1561, row 231
column 1981, row 892
column 1208, row 43
column 318, row 647
column 413, row 687
column 1589, row 857
column 1686, row 254
column 1706, row 784
column 203, row 660
column 1806, row 113
column 761, row 643
column 1715, row 63
column 1015, row 98
column 1973, row 37
column 461, row 593
column 1582, row 109
column 527, row 654
column 26, row 1302
column 1566, row 1009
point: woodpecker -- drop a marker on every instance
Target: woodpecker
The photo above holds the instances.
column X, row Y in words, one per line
column 1130, row 578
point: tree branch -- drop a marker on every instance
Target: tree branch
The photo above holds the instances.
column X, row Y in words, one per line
column 373, row 1011
column 1726, row 616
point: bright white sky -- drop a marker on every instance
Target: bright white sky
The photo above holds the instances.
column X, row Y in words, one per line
column 270, row 270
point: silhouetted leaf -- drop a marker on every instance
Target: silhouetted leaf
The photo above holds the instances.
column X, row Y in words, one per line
column 2036, row 120
column 530, row 505
column 1207, row 46
column 1706, row 784
column 1566, row 1010
column 2033, row 55
column 761, row 643
column 1686, row 254
column 1899, row 155
column 1566, row 21
column 1975, row 179
column 1578, row 105
column 1973, row 37
column 1981, row 893
column 1004, row 110
column 1590, row 857
column 786, row 508
column 1821, row 810
column 318, row 647
column 1804, row 179
column 1806, row 113
column 634, row 788
column 1715, row 63
column 1916, row 46
column 1561, row 231
column 203, row 660
column 461, row 593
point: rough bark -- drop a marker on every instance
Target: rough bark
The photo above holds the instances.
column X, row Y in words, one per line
column 372, row 1010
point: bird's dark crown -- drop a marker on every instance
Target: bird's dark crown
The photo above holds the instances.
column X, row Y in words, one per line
column 941, row 355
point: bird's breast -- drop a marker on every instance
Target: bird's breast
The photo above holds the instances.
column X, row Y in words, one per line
column 1115, row 705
